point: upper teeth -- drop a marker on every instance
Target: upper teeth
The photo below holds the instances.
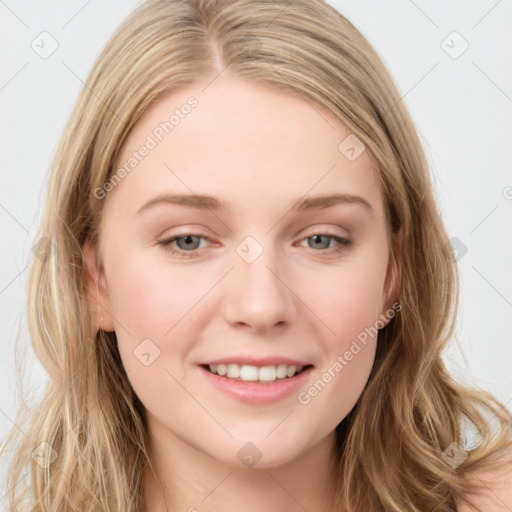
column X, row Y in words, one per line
column 254, row 373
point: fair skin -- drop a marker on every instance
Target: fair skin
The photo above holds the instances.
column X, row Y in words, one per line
column 496, row 495
column 258, row 151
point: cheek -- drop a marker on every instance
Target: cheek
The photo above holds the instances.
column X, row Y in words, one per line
column 152, row 310
column 348, row 309
column 347, row 299
column 151, row 307
column 148, row 300
column 348, row 302
column 161, row 303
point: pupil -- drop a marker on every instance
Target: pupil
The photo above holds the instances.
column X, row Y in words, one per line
column 187, row 240
column 317, row 239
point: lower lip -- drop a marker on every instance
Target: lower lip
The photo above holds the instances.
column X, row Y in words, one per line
column 255, row 393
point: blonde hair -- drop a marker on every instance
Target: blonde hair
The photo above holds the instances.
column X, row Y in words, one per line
column 90, row 421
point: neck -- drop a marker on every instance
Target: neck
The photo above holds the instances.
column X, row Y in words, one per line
column 180, row 477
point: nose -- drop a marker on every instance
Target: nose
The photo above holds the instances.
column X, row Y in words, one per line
column 259, row 295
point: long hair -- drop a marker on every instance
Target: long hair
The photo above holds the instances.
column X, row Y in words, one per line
column 86, row 442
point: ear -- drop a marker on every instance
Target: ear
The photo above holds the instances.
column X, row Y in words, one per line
column 394, row 271
column 96, row 290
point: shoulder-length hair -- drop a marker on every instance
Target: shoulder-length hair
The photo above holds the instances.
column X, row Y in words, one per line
column 90, row 425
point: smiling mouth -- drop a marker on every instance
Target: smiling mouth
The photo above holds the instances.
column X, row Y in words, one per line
column 250, row 373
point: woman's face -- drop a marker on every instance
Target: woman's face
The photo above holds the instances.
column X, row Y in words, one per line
column 262, row 274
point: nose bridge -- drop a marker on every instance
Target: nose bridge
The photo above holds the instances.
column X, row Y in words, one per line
column 259, row 296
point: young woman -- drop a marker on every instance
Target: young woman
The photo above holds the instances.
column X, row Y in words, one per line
column 248, row 286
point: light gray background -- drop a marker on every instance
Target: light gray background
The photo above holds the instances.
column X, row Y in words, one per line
column 462, row 108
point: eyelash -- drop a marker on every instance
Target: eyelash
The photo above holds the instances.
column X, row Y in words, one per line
column 343, row 243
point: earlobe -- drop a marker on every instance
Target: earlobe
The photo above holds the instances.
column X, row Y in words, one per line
column 96, row 290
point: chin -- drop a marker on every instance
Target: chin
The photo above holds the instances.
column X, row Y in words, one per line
column 260, row 452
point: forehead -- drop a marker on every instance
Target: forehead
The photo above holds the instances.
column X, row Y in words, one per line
column 246, row 143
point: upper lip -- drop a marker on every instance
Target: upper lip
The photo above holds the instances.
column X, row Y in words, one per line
column 258, row 361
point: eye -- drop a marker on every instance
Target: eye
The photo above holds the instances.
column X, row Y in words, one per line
column 341, row 243
column 187, row 243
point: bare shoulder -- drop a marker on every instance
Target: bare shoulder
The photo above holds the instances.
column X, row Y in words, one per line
column 496, row 495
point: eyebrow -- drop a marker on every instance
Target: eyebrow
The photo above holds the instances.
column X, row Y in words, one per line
column 206, row 202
